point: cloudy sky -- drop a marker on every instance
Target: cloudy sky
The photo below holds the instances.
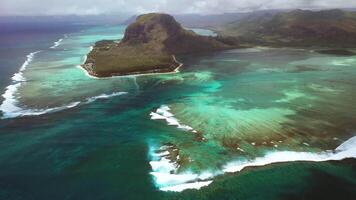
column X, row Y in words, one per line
column 84, row 7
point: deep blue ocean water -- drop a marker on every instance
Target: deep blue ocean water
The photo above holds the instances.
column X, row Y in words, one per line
column 272, row 104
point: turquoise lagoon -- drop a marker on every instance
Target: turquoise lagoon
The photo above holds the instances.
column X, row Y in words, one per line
column 200, row 128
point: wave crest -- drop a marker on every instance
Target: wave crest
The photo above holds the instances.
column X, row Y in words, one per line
column 163, row 113
column 57, row 43
column 167, row 178
column 9, row 105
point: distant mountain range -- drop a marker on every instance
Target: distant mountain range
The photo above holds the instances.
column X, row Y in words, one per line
column 217, row 21
column 210, row 21
column 334, row 28
column 327, row 28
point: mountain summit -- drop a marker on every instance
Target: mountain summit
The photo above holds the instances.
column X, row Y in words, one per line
column 149, row 46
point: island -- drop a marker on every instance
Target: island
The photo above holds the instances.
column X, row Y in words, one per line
column 150, row 45
column 152, row 42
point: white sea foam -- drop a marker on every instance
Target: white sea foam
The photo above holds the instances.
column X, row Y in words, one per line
column 57, row 43
column 162, row 168
column 162, row 113
column 180, row 187
column 165, row 173
column 20, row 112
column 18, row 77
column 10, row 108
column 104, row 96
column 85, row 57
column 9, row 105
column 345, row 150
column 84, row 60
column 87, row 73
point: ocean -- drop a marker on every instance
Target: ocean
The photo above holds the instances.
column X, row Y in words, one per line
column 256, row 123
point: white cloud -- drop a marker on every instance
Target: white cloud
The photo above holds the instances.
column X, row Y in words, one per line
column 83, row 7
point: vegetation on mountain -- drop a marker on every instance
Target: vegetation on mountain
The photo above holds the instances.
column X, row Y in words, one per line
column 326, row 28
column 149, row 46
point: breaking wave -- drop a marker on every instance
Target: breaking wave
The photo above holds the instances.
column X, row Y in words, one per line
column 164, row 172
column 9, row 105
column 345, row 150
column 165, row 169
column 18, row 77
column 11, row 110
column 20, row 112
column 58, row 42
column 163, row 113
column 104, row 96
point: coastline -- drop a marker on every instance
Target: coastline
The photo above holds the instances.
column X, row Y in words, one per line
column 133, row 74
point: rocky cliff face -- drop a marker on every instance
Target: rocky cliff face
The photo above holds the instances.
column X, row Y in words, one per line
column 164, row 32
column 149, row 45
column 151, row 27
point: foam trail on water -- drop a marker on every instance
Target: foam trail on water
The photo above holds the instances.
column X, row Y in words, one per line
column 57, row 43
column 166, row 178
column 9, row 105
column 345, row 150
column 163, row 113
column 10, row 108
column 17, row 77
column 104, row 96
column 164, row 172
column 178, row 188
column 19, row 112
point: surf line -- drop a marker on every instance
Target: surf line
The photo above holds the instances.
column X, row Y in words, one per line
column 167, row 178
column 58, row 42
column 10, row 109
column 9, row 105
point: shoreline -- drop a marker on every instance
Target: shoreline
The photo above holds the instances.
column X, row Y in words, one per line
column 176, row 70
column 133, row 74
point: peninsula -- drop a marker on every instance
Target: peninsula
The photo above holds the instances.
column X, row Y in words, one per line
column 150, row 45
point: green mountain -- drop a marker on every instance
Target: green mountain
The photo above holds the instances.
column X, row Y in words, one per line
column 149, row 46
column 327, row 28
